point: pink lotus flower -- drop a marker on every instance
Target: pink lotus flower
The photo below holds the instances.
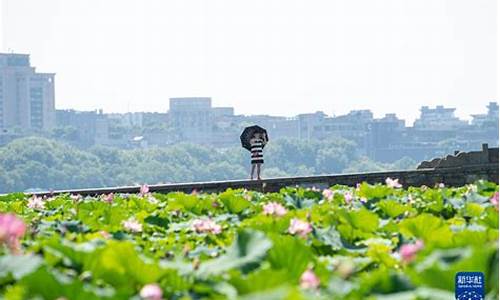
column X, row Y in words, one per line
column 109, row 197
column 132, row 225
column 36, row 203
column 274, row 209
column 151, row 291
column 409, row 251
column 11, row 230
column 348, row 197
column 299, row 227
column 105, row 234
column 393, row 183
column 144, row 190
column 494, row 200
column 206, row 226
column 328, row 194
column 309, row 280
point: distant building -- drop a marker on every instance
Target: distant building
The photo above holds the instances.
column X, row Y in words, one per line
column 439, row 118
column 90, row 127
column 488, row 120
column 26, row 97
column 221, row 112
column 483, row 129
column 277, row 127
column 284, row 128
column 130, row 119
column 353, row 126
column 385, row 137
column 192, row 117
column 308, row 123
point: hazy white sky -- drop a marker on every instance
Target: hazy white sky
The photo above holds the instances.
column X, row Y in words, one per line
column 279, row 57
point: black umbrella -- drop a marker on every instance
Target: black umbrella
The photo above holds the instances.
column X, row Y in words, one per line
column 249, row 132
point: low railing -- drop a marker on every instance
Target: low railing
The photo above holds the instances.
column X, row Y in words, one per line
column 453, row 176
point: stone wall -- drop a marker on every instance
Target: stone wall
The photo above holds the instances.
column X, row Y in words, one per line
column 485, row 156
column 452, row 170
column 450, row 176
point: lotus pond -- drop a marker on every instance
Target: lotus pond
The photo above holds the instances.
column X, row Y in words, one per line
column 368, row 242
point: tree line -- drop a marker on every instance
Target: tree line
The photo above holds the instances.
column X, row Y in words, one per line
column 37, row 163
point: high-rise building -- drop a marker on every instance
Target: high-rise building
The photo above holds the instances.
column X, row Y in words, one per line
column 26, row 96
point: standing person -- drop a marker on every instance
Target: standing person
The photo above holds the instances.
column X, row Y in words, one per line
column 257, row 143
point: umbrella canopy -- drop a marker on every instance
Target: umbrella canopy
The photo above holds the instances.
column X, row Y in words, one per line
column 249, row 132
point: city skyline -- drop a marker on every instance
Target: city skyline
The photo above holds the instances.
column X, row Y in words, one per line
column 26, row 62
column 27, row 107
column 280, row 59
column 22, row 95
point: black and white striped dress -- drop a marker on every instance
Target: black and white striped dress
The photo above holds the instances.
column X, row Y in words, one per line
column 257, row 146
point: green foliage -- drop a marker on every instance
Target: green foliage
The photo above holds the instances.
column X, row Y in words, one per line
column 38, row 163
column 248, row 249
column 392, row 208
column 290, row 254
column 81, row 249
column 234, row 202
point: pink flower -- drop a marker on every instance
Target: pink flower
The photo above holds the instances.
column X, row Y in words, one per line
column 494, row 200
column 206, row 226
column 105, row 234
column 328, row 194
column 274, row 209
column 36, row 203
column 11, row 230
column 151, row 291
column 309, row 280
column 144, row 190
column 393, row 183
column 132, row 225
column 109, row 197
column 441, row 185
column 299, row 227
column 409, row 251
column 348, row 197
